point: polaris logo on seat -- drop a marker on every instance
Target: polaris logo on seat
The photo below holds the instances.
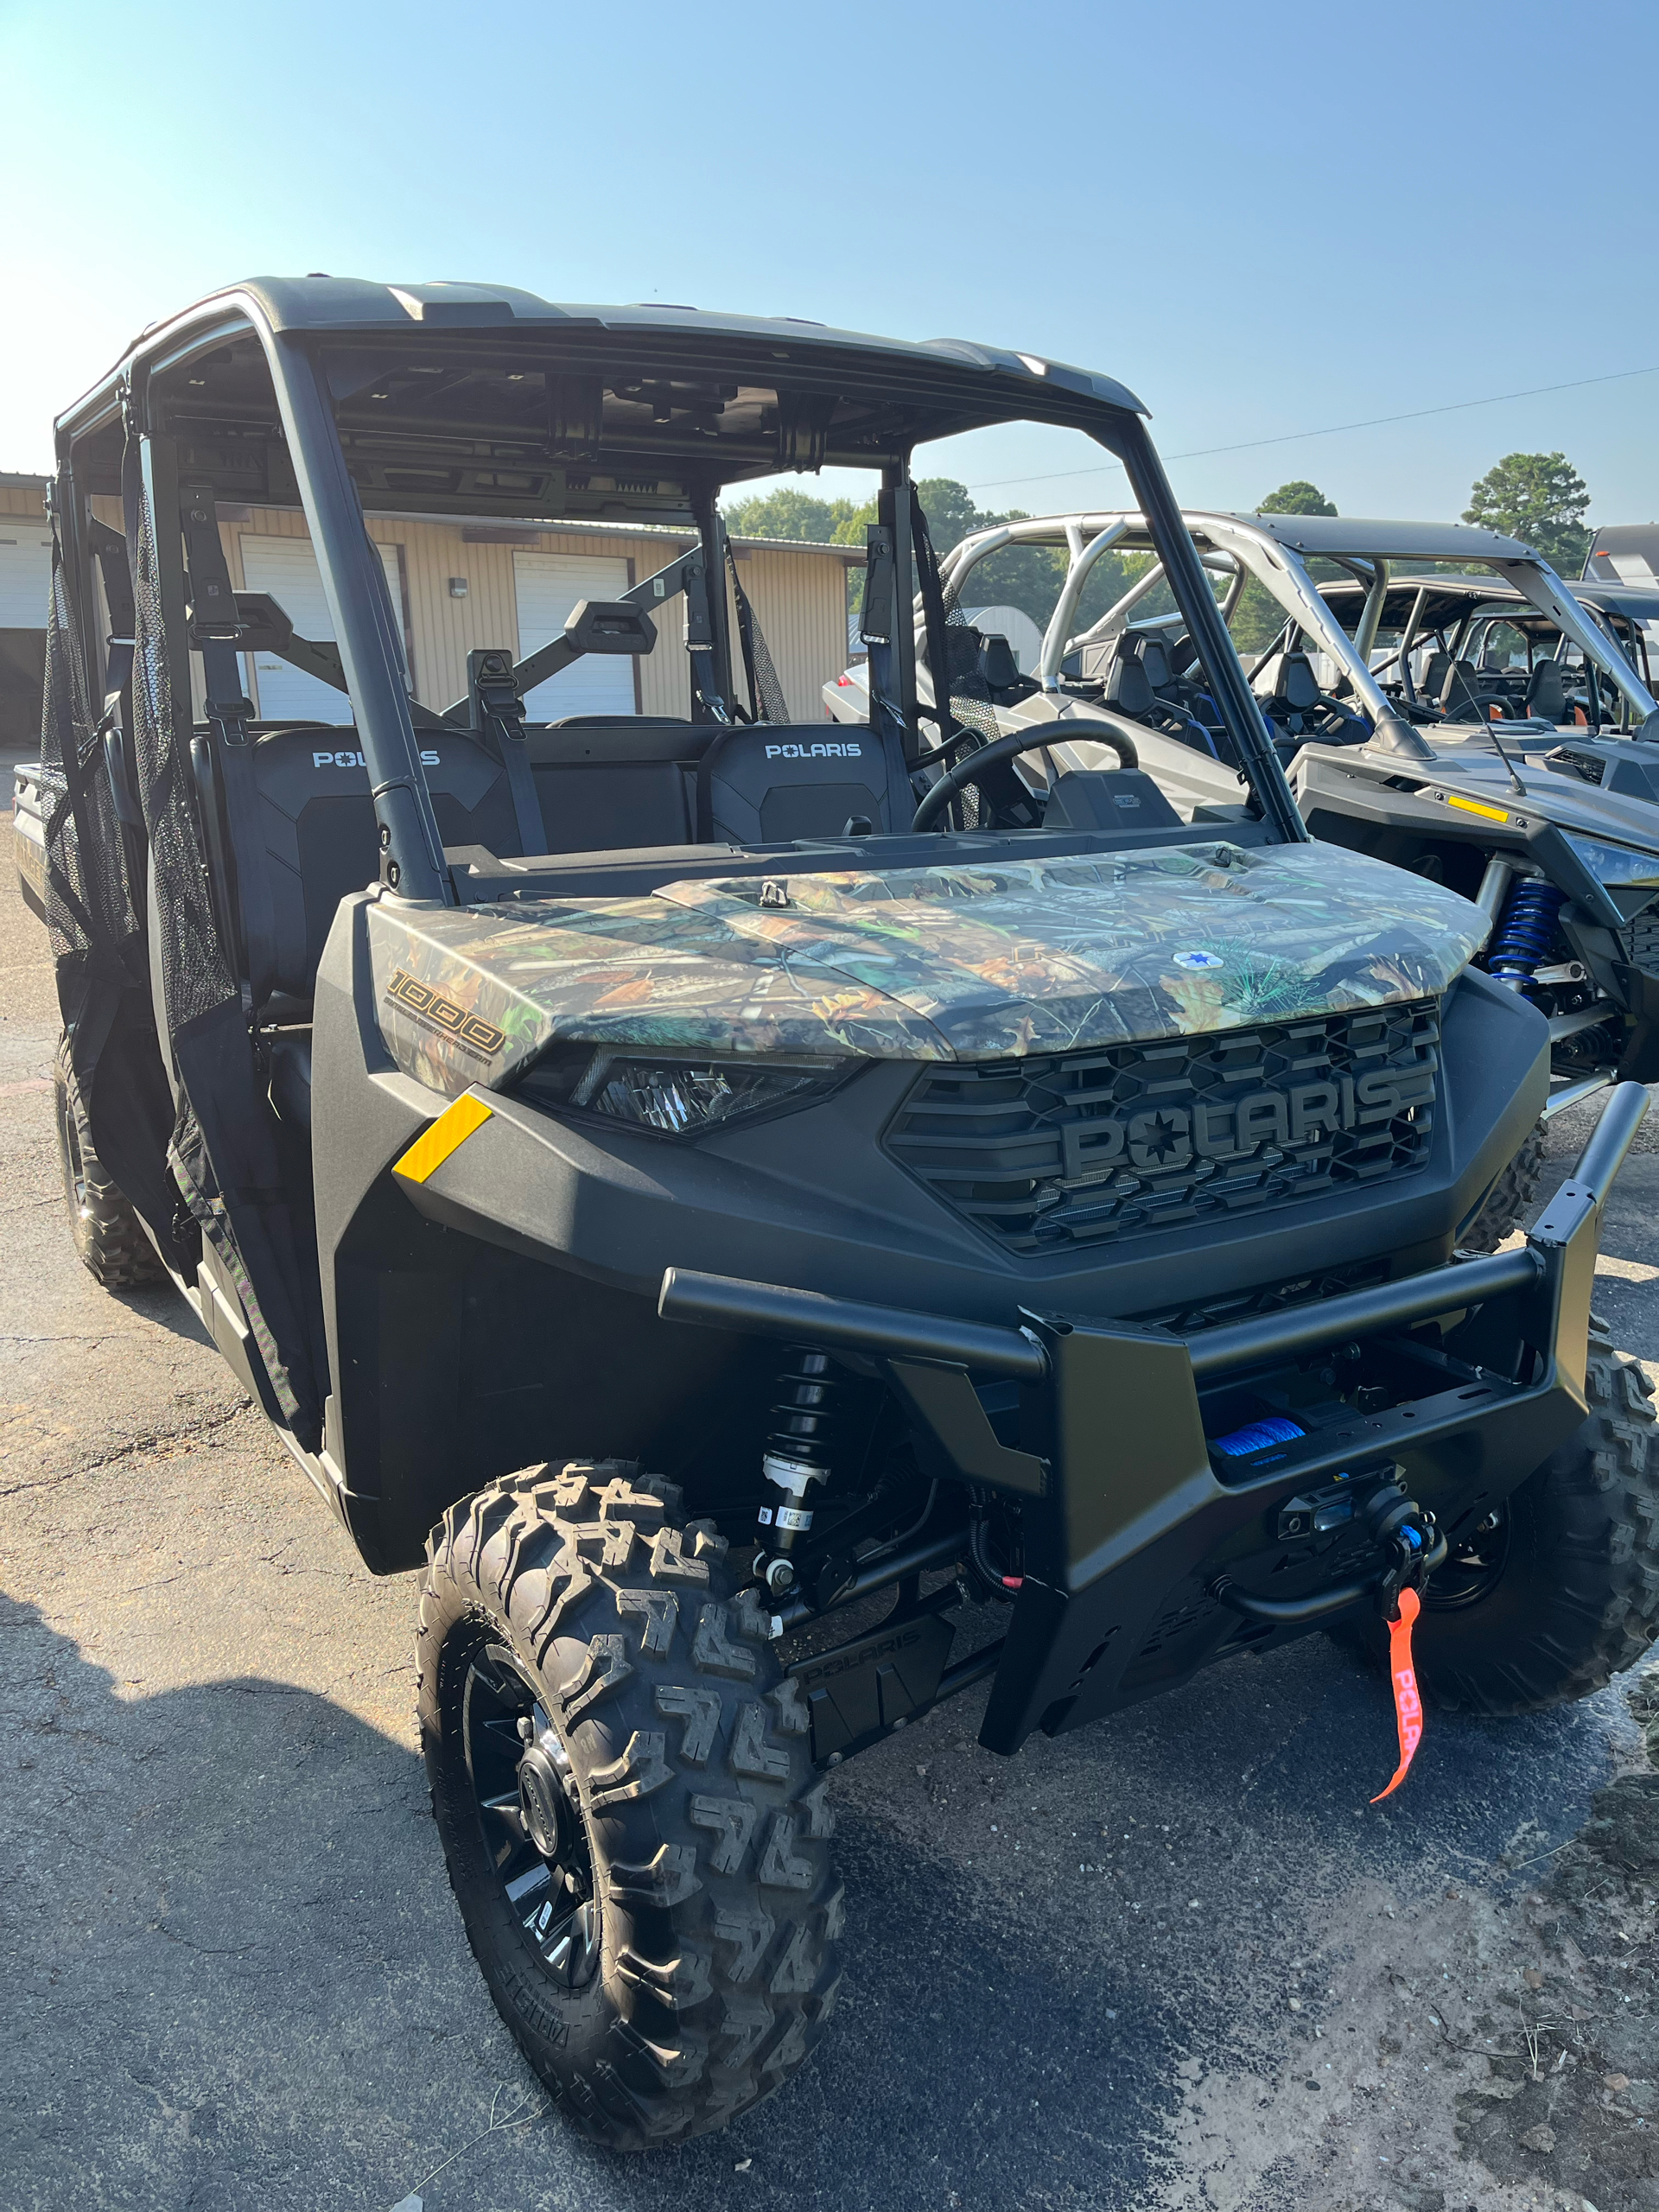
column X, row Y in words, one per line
column 356, row 760
column 829, row 752
column 1169, row 1136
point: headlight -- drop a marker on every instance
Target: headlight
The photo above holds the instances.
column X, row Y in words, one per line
column 676, row 1097
column 1615, row 864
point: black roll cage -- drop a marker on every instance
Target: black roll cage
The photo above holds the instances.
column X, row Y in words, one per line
column 906, row 397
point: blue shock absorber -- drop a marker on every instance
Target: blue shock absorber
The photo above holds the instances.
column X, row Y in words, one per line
column 1521, row 942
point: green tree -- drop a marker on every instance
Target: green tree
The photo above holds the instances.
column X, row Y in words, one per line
column 1025, row 576
column 1299, row 497
column 1539, row 498
column 787, row 511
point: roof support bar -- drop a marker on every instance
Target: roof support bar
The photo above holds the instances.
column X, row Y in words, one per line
column 370, row 641
column 1205, row 625
column 708, row 628
column 1077, row 575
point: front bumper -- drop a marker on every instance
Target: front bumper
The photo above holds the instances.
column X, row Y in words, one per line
column 1133, row 1524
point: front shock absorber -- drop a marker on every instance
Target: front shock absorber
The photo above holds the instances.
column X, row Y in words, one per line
column 1525, row 934
column 797, row 1456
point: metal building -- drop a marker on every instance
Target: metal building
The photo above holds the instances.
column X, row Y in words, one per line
column 458, row 586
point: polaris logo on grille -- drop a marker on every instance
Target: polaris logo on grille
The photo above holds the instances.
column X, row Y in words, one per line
column 1074, row 1148
column 824, row 752
column 1170, row 1136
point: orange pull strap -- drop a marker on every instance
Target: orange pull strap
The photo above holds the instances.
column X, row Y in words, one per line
column 1407, row 1706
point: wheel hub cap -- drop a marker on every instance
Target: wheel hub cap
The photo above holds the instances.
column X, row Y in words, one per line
column 541, row 1797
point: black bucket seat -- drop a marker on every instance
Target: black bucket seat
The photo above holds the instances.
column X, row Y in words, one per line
column 767, row 783
column 1301, row 713
column 1547, row 692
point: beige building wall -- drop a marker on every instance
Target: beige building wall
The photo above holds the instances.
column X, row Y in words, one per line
column 22, row 500
column 801, row 600
column 800, row 597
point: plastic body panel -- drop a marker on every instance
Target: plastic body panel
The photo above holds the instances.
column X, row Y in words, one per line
column 505, row 1310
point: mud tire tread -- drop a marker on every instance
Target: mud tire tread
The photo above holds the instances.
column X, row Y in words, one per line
column 1510, row 1196
column 1578, row 1599
column 720, row 1907
column 110, row 1240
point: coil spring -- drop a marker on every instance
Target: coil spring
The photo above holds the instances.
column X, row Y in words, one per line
column 1524, row 936
column 805, row 1417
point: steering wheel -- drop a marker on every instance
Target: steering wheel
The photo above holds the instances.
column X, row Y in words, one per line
column 1334, row 718
column 1007, row 748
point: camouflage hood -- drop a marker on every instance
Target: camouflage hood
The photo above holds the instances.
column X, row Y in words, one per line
column 937, row 963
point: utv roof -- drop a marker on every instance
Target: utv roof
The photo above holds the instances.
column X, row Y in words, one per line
column 698, row 398
column 1635, row 602
column 1334, row 534
column 1448, row 594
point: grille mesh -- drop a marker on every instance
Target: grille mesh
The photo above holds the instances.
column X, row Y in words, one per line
column 1086, row 1148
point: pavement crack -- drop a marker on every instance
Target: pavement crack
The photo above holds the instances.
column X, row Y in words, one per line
column 207, row 1950
column 47, row 1482
column 71, row 1337
column 152, row 1441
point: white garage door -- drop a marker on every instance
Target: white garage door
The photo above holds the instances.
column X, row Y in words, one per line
column 25, row 573
column 548, row 586
column 287, row 568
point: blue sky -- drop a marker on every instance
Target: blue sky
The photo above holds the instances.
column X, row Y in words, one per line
column 1264, row 219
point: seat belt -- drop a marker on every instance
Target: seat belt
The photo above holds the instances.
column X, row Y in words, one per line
column 938, row 649
column 700, row 643
column 876, row 625
column 214, row 629
column 745, row 632
column 498, row 712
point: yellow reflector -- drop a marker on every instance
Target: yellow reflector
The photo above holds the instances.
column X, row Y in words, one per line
column 446, row 1135
column 1470, row 806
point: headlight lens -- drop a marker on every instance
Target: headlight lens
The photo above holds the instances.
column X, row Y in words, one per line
column 674, row 1097
column 1615, row 864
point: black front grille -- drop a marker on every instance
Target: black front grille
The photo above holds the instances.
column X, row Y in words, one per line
column 1086, row 1148
column 1221, row 1311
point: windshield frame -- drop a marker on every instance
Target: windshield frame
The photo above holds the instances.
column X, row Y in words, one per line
column 1236, row 543
column 323, row 349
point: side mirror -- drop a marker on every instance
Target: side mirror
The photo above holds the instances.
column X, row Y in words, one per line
column 1648, row 732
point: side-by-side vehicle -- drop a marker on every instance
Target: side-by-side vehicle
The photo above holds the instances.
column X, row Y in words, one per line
column 780, row 1223
column 1493, row 731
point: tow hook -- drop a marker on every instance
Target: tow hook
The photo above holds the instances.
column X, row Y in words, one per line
column 1412, row 1546
column 1410, row 1540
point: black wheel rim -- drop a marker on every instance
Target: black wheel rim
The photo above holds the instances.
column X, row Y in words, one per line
column 1474, row 1565
column 531, row 1822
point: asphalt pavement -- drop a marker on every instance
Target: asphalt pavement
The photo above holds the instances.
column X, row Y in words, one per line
column 1157, row 1963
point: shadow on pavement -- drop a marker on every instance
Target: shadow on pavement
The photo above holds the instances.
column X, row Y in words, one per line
column 237, row 1979
column 162, row 1305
